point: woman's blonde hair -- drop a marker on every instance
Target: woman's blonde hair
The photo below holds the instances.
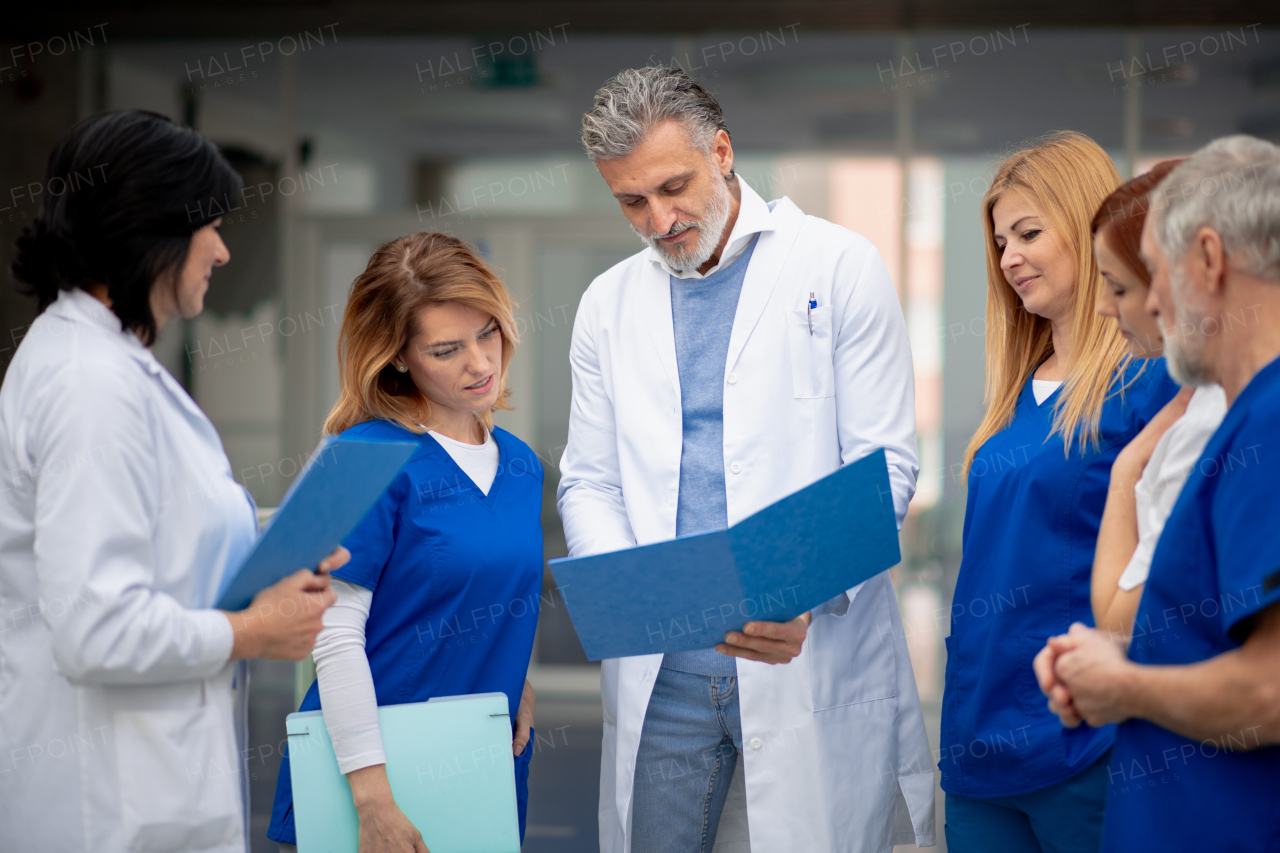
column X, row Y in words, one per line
column 381, row 318
column 1066, row 176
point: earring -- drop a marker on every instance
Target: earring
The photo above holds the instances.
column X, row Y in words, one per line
column 401, row 368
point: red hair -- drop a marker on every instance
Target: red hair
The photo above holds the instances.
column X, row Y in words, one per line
column 381, row 318
column 1119, row 219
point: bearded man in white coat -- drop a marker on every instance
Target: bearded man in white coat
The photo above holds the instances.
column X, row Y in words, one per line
column 747, row 352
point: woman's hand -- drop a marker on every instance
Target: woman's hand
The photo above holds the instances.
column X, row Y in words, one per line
column 282, row 621
column 383, row 827
column 339, row 558
column 1045, row 664
column 524, row 719
column 1137, row 453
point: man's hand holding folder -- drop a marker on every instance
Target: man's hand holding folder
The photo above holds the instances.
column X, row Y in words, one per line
column 768, row 642
column 746, row 591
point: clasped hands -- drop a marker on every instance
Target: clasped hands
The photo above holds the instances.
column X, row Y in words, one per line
column 1084, row 673
column 769, row 642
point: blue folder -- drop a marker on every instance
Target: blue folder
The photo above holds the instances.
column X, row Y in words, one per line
column 450, row 766
column 341, row 481
column 687, row 593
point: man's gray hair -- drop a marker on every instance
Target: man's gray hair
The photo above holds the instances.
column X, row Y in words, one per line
column 636, row 100
column 1231, row 185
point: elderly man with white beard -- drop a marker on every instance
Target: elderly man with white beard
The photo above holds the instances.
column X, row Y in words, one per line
column 747, row 352
column 1196, row 763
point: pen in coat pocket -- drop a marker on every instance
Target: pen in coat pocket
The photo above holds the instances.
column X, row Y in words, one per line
column 813, row 303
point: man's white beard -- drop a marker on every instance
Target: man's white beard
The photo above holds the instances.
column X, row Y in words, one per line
column 1184, row 359
column 710, row 230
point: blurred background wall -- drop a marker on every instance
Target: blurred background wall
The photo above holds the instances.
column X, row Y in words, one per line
column 355, row 123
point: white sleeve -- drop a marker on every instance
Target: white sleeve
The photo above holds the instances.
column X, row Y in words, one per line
column 93, row 453
column 875, row 378
column 1139, row 565
column 346, row 682
column 873, row 363
column 589, row 497
column 1175, row 454
column 1156, row 492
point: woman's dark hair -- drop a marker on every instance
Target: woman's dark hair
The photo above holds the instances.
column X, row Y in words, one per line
column 123, row 194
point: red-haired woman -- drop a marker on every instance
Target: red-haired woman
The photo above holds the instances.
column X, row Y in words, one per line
column 441, row 595
column 1147, row 476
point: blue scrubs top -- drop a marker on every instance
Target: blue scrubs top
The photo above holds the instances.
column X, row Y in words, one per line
column 456, row 577
column 1029, row 533
column 1217, row 565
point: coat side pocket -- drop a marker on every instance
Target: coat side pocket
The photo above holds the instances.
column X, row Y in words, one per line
column 852, row 657
column 179, row 780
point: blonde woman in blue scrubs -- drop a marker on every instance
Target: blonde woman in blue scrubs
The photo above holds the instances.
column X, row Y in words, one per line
column 1062, row 399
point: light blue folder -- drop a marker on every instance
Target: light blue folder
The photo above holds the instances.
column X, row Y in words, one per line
column 343, row 478
column 450, row 766
column 687, row 593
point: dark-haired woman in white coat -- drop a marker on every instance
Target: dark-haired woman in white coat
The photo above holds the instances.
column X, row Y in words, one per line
column 118, row 518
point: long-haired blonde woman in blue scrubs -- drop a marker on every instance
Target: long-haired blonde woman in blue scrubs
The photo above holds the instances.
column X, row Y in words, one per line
column 1062, row 399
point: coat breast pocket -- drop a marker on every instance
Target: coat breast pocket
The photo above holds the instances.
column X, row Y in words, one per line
column 179, row 779
column 809, row 338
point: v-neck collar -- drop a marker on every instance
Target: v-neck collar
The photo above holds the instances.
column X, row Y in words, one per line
column 1029, row 394
column 462, row 477
column 1031, row 390
column 1259, row 383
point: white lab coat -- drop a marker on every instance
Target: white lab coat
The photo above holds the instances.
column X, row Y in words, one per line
column 118, row 516
column 836, row 755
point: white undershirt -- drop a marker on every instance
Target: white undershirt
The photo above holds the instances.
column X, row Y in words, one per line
column 477, row 461
column 1042, row 388
column 342, row 667
column 1175, row 454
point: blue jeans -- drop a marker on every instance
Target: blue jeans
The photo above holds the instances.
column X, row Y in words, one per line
column 689, row 748
column 1063, row 818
